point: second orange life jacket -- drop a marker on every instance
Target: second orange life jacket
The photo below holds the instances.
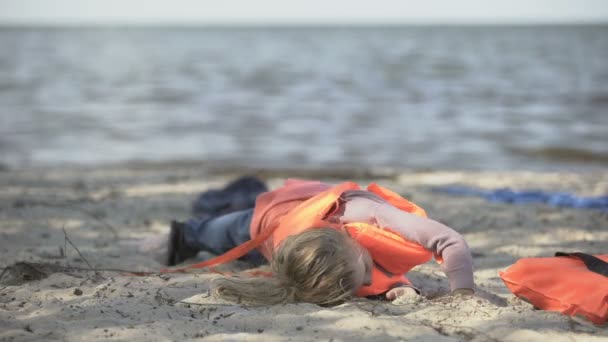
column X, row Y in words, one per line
column 573, row 284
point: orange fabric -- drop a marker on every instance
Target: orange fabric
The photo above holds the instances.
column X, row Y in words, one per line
column 561, row 284
column 272, row 206
column 396, row 200
column 307, row 214
column 388, row 249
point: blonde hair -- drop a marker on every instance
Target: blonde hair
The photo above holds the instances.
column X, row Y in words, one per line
column 316, row 266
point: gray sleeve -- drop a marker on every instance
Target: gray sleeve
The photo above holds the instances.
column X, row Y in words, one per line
column 432, row 235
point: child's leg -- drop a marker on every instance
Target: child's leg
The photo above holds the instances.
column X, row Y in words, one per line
column 221, row 233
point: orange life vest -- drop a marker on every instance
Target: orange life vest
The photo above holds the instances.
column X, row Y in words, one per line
column 562, row 284
column 393, row 255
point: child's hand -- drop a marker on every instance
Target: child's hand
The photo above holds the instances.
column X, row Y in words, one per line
column 403, row 291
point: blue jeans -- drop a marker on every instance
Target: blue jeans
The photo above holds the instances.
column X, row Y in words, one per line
column 220, row 234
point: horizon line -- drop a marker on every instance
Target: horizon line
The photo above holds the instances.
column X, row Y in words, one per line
column 295, row 24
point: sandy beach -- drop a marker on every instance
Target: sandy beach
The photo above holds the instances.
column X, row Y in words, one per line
column 70, row 235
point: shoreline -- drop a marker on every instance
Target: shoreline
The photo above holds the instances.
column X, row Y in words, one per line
column 107, row 209
column 593, row 167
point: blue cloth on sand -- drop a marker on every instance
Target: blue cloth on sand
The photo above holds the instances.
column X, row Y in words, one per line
column 506, row 195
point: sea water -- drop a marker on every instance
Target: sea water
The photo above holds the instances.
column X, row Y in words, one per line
column 409, row 97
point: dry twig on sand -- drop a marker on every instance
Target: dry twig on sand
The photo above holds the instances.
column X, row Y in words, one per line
column 67, row 238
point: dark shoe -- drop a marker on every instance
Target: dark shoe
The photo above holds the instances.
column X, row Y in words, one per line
column 177, row 250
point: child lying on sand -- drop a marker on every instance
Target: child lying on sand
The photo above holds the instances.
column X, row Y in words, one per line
column 325, row 244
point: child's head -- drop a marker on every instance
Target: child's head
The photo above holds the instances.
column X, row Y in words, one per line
column 321, row 265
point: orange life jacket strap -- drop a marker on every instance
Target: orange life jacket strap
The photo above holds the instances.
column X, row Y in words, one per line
column 594, row 264
column 229, row 256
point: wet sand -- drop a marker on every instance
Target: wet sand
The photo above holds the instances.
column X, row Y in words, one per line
column 105, row 212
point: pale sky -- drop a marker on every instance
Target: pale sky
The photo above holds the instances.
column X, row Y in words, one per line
column 300, row 11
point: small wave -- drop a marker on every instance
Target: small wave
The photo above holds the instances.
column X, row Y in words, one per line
column 564, row 154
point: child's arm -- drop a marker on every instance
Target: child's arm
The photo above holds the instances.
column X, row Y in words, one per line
column 434, row 236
